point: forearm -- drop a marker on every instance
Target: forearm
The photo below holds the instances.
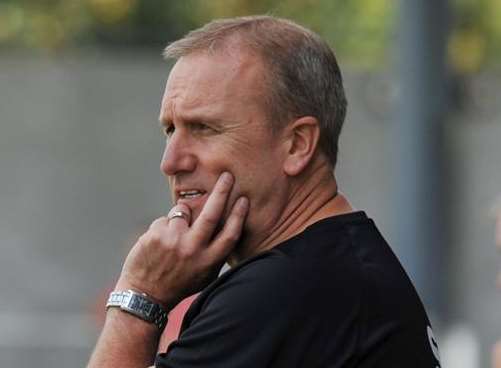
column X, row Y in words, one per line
column 173, row 259
column 126, row 341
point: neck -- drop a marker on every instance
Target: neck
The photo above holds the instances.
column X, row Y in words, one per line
column 310, row 201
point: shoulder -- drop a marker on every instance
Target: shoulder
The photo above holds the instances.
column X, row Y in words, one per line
column 258, row 284
column 245, row 312
column 305, row 274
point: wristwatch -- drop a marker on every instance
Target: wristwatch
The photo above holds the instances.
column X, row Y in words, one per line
column 139, row 305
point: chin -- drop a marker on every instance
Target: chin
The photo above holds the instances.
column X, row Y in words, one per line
column 195, row 213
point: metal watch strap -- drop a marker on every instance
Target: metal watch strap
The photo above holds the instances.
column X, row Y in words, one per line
column 140, row 305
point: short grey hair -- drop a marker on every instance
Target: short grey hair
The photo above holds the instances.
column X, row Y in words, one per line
column 303, row 74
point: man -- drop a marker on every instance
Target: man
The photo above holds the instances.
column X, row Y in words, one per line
column 252, row 112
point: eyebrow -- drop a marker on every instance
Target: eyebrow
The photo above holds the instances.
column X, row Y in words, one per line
column 194, row 119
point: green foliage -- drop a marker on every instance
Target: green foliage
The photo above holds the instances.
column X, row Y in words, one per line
column 360, row 31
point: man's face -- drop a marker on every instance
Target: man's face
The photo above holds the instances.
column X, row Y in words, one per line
column 215, row 121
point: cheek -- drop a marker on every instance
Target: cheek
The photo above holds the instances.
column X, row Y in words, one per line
column 255, row 170
column 212, row 164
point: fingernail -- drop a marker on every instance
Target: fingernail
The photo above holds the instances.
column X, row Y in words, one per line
column 226, row 178
column 243, row 203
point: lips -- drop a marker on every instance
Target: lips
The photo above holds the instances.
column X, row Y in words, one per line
column 193, row 198
column 189, row 194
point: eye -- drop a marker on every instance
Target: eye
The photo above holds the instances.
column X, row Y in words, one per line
column 169, row 130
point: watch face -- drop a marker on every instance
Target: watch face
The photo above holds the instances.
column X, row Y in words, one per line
column 142, row 304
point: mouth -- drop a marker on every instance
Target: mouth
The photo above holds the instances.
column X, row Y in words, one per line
column 190, row 194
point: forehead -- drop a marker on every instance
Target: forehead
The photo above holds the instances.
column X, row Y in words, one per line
column 224, row 80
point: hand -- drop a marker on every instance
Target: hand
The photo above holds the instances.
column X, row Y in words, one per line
column 173, row 260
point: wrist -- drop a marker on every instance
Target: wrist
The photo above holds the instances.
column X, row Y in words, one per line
column 140, row 305
column 124, row 284
column 127, row 322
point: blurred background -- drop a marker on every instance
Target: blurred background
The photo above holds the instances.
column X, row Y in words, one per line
column 80, row 147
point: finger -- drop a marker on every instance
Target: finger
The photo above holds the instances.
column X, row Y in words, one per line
column 159, row 223
column 179, row 217
column 209, row 218
column 231, row 232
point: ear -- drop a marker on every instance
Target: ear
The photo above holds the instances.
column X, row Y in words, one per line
column 303, row 135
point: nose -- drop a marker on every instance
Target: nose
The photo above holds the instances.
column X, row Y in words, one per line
column 177, row 157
